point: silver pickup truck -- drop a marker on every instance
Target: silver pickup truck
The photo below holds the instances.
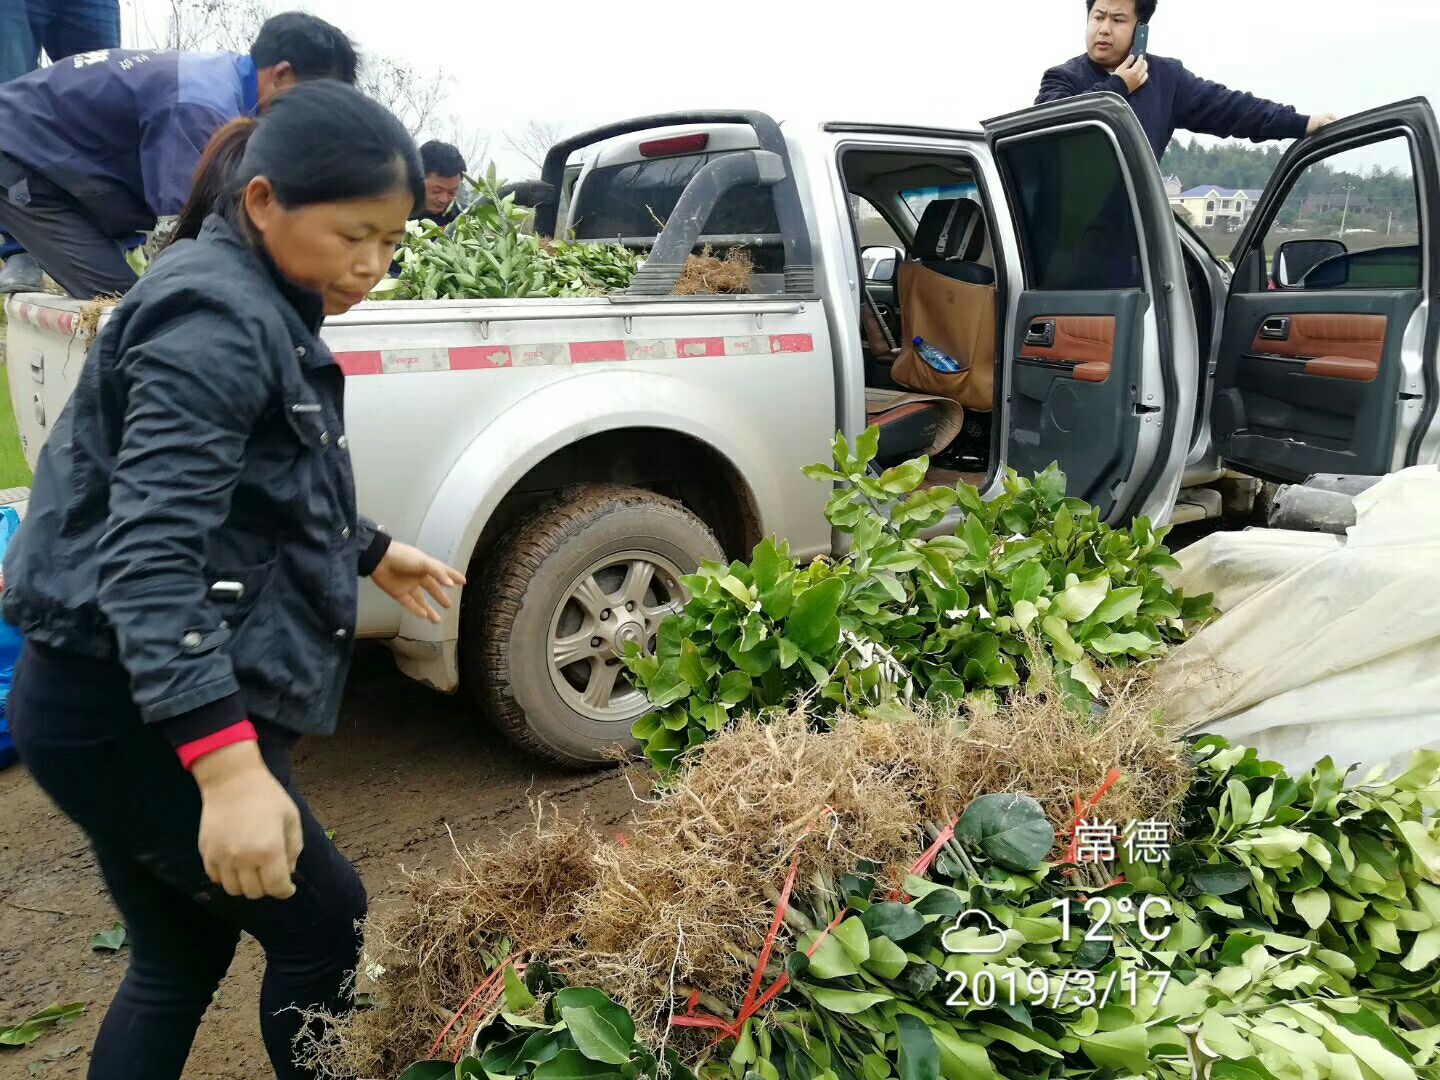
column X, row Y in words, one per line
column 581, row 455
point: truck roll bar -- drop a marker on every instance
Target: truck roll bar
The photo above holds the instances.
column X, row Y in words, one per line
column 771, row 165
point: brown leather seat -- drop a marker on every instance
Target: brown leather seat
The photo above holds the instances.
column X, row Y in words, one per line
column 948, row 299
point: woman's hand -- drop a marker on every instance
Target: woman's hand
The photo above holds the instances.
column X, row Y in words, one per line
column 249, row 827
column 407, row 574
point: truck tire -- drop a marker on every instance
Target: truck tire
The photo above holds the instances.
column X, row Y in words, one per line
column 563, row 594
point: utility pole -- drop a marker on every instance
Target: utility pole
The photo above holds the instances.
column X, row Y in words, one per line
column 1389, row 222
column 1345, row 214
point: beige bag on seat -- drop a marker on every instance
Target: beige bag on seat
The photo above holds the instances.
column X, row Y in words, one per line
column 957, row 318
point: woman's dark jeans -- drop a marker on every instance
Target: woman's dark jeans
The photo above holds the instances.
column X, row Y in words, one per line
column 82, row 739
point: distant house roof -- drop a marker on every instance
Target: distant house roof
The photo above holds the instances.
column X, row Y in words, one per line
column 1220, row 192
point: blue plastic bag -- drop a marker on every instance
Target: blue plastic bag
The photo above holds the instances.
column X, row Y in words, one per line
column 10, row 641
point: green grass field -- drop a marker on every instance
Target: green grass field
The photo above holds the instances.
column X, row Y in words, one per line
column 13, row 470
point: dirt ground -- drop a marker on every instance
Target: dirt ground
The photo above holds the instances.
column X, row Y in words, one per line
column 405, row 763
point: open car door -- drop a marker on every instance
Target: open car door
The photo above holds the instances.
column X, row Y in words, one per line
column 1328, row 358
column 1101, row 367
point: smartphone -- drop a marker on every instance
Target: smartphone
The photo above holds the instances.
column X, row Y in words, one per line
column 1142, row 40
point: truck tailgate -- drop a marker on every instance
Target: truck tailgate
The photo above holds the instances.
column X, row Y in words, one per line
column 45, row 351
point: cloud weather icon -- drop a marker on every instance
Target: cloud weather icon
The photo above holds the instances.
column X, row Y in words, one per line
column 975, row 933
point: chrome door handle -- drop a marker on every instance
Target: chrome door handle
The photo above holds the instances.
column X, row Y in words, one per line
column 1276, row 328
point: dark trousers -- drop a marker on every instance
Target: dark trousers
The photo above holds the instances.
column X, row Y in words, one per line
column 61, row 27
column 81, row 738
column 66, row 241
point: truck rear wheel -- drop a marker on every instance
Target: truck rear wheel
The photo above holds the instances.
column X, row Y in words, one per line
column 564, row 595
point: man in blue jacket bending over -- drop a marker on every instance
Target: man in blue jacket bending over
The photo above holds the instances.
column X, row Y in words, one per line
column 1164, row 95
column 95, row 148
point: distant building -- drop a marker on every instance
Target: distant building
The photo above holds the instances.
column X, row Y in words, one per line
column 1210, row 207
column 1173, row 187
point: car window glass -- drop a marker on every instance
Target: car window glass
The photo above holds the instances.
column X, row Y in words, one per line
column 1364, row 199
column 1073, row 211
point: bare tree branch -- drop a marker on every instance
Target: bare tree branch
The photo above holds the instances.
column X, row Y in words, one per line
column 534, row 140
column 212, row 25
column 406, row 92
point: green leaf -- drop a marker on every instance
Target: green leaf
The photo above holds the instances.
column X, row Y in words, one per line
column 1219, row 879
column 1059, row 634
column 735, row 687
column 961, row 1059
column 429, row 1070
column 1115, row 644
column 508, row 1058
column 32, row 1027
column 896, row 921
column 919, row 1056
column 813, row 626
column 853, row 938
column 830, row 959
column 847, row 1002
column 1029, row 581
column 691, row 667
column 867, row 445
column 573, row 1065
column 1126, row 1049
column 1313, row 905
column 1120, row 604
column 1011, row 830
column 789, row 654
column 767, row 563
column 903, row 479
column 1080, row 601
column 976, row 537
column 1423, row 846
column 111, row 940
column 1424, row 952
column 596, row 1037
column 887, row 959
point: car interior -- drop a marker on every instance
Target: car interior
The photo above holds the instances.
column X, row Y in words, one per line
column 941, row 289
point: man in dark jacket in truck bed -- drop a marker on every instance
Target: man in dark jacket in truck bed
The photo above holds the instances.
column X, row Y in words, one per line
column 1165, row 95
column 95, row 148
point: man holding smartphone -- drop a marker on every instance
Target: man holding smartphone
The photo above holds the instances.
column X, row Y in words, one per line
column 1163, row 93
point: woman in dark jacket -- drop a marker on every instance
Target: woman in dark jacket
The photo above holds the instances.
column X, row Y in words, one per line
column 187, row 576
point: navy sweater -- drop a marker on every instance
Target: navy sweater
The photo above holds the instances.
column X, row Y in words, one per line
column 122, row 130
column 1175, row 98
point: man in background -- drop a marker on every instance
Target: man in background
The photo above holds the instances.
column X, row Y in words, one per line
column 60, row 27
column 444, row 173
column 97, row 147
column 1163, row 93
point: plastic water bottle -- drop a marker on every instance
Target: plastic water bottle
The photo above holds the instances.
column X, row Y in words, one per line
column 937, row 359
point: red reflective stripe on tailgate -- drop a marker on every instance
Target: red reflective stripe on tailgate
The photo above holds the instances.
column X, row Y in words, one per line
column 791, row 343
column 699, row 346
column 596, row 352
column 478, row 357
column 359, row 363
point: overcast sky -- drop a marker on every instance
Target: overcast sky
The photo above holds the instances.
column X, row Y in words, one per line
column 581, row 62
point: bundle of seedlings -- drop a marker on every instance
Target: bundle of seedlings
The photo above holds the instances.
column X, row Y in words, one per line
column 1288, row 930
column 487, row 253
column 684, row 904
column 1030, row 580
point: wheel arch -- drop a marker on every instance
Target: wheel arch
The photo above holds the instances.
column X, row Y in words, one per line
column 707, row 456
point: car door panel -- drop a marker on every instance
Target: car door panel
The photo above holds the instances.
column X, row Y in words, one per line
column 1101, row 377
column 1315, row 377
column 1308, row 382
column 1084, row 343
column 1063, row 395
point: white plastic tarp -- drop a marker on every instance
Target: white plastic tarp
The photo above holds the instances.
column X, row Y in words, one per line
column 1326, row 645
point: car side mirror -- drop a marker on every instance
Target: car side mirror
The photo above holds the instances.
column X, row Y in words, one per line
column 1296, row 258
column 529, row 193
column 879, row 263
